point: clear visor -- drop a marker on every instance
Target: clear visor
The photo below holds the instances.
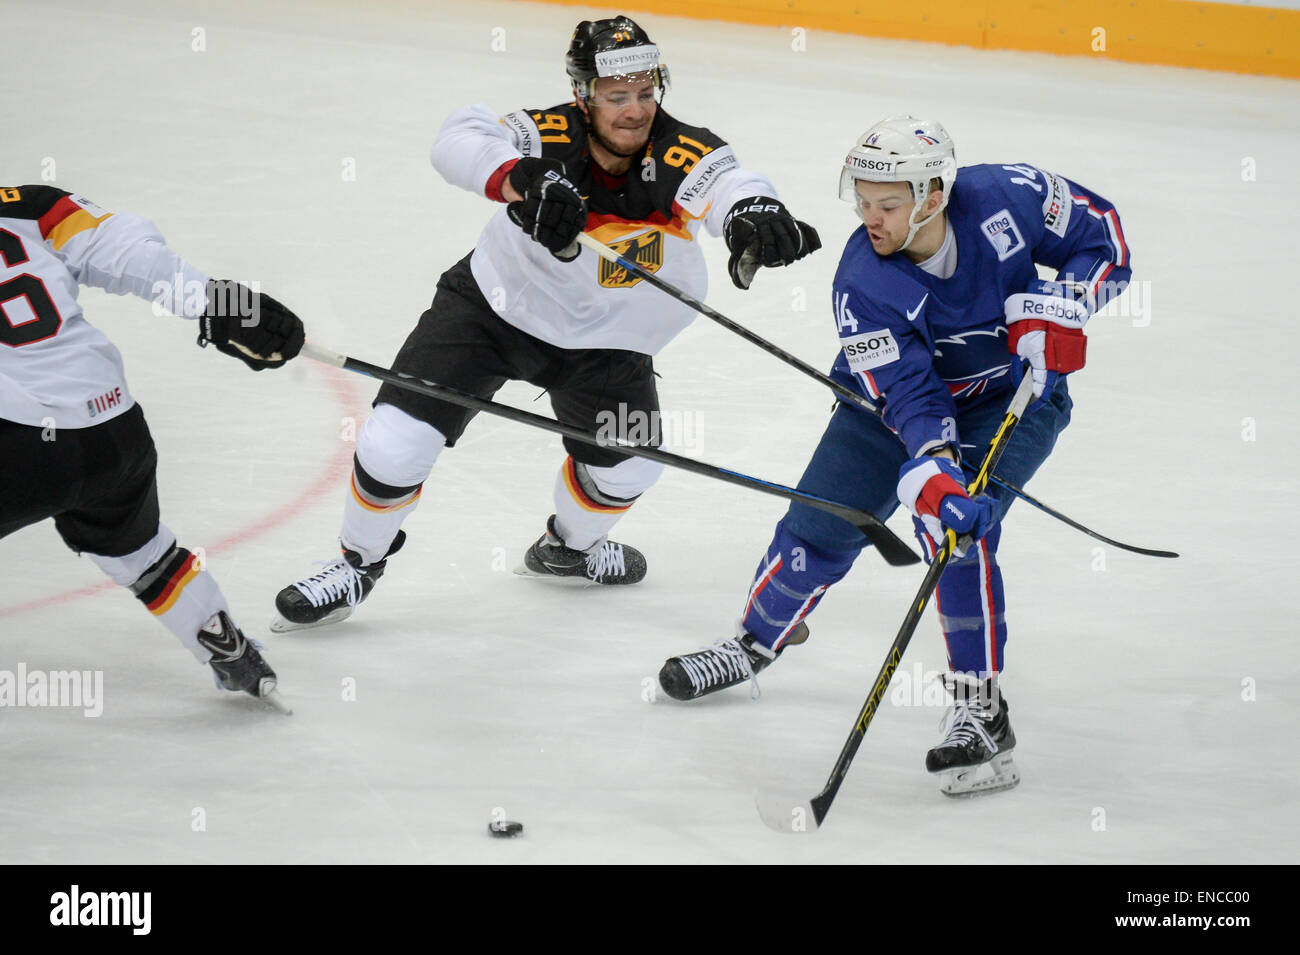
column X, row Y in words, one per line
column 867, row 164
column 618, row 91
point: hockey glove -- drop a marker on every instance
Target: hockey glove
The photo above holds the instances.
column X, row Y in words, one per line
column 552, row 210
column 761, row 231
column 253, row 327
column 931, row 488
column 1045, row 326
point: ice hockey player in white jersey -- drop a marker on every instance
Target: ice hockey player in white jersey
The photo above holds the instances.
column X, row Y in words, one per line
column 530, row 304
column 75, row 444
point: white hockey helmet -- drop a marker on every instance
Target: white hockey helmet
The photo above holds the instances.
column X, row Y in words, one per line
column 902, row 149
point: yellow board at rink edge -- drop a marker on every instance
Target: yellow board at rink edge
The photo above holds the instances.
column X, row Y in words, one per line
column 1212, row 36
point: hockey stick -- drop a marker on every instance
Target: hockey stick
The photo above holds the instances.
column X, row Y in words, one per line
column 842, row 392
column 786, row 815
column 609, row 255
column 1149, row 552
column 891, row 547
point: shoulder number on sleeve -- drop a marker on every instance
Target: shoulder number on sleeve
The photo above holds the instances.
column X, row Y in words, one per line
column 683, row 158
column 553, row 127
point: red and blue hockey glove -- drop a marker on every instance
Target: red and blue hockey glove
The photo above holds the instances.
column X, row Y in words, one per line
column 931, row 489
column 1045, row 327
column 552, row 210
column 760, row 231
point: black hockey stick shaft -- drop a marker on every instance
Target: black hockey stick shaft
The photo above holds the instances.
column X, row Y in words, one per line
column 1133, row 548
column 821, row 803
column 842, row 392
column 891, row 547
column 610, row 255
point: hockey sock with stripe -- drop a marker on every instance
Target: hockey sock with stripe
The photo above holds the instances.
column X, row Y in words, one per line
column 590, row 500
column 395, row 453
column 972, row 608
column 791, row 580
column 172, row 584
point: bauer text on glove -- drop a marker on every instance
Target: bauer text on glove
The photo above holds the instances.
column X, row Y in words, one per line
column 760, row 231
column 552, row 211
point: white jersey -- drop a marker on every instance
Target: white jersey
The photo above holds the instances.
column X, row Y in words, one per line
column 687, row 177
column 56, row 369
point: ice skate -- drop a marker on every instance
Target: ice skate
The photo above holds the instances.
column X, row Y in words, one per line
column 605, row 562
column 975, row 755
column 331, row 595
column 725, row 664
column 236, row 662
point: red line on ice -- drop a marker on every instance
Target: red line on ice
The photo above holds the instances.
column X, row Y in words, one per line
column 345, row 394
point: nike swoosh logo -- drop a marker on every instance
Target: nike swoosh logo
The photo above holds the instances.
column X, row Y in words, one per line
column 911, row 316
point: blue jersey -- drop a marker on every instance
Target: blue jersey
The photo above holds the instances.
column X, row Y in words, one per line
column 917, row 345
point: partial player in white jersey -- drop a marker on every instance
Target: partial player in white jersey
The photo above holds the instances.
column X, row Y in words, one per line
column 529, row 303
column 75, row 444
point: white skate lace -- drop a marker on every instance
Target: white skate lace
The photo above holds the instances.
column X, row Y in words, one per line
column 724, row 662
column 607, row 560
column 338, row 579
column 961, row 724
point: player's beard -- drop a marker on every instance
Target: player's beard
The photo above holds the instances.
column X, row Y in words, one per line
column 594, row 133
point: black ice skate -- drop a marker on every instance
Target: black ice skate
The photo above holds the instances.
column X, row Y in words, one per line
column 976, row 752
column 603, row 563
column 727, row 663
column 333, row 594
column 237, row 663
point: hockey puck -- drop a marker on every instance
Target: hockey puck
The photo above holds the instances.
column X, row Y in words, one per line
column 505, row 829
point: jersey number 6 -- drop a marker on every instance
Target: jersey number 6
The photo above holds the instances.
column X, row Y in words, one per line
column 46, row 319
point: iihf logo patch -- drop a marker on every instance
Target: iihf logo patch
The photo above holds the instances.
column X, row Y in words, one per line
column 1003, row 234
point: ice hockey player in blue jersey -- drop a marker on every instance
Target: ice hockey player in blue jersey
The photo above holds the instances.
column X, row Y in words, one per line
column 939, row 306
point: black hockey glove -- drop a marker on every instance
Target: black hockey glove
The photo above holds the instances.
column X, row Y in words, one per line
column 761, row 231
column 253, row 327
column 552, row 211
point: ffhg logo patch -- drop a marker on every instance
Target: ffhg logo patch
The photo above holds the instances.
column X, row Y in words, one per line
column 1003, row 234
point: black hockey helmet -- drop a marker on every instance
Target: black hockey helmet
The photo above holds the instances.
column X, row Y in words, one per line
column 614, row 47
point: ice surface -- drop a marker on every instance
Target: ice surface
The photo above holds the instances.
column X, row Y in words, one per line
column 476, row 689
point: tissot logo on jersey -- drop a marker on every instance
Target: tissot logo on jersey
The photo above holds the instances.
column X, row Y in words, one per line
column 1003, row 234
column 871, row 350
column 1056, row 207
